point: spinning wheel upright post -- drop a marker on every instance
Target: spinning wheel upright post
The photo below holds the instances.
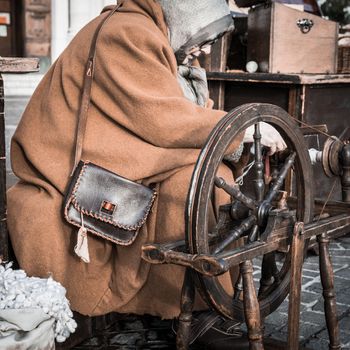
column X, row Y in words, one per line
column 270, row 225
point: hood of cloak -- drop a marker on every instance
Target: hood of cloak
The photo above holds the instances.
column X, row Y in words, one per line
column 195, row 23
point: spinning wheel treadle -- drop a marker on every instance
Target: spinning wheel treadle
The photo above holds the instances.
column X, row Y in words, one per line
column 275, row 282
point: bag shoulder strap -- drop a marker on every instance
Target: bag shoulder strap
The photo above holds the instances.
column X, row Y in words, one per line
column 87, row 85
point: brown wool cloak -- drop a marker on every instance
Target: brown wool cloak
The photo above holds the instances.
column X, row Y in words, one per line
column 140, row 126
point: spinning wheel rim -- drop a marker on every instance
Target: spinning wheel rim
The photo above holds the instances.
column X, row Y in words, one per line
column 202, row 181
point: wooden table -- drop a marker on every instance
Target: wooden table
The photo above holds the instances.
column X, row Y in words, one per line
column 314, row 99
column 8, row 65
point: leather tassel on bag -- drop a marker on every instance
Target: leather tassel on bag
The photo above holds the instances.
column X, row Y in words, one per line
column 82, row 248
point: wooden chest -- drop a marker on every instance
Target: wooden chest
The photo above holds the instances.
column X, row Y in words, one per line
column 285, row 40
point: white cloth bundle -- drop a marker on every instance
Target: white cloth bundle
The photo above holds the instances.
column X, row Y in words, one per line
column 31, row 304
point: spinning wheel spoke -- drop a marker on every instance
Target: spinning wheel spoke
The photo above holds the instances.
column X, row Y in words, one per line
column 269, row 272
column 254, row 234
column 278, row 182
column 238, row 285
column 235, row 192
column 236, row 233
column 269, row 269
column 259, row 165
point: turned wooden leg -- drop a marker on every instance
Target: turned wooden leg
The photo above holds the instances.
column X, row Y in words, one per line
column 251, row 307
column 297, row 257
column 268, row 272
column 327, row 279
column 185, row 318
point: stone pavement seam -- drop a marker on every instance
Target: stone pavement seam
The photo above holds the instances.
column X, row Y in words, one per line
column 315, row 335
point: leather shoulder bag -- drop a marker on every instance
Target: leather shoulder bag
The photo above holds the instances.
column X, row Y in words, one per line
column 99, row 201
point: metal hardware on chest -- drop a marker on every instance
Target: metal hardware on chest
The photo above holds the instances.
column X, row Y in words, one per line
column 305, row 25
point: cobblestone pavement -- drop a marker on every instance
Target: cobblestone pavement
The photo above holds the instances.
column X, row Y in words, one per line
column 151, row 333
column 313, row 332
column 133, row 332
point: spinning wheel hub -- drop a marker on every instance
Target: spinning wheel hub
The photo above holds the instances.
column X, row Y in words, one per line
column 263, row 213
column 238, row 211
column 345, row 176
column 345, row 156
column 331, row 156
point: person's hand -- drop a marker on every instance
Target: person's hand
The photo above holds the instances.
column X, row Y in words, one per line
column 270, row 137
column 210, row 103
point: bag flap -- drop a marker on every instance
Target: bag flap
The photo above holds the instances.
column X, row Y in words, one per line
column 111, row 198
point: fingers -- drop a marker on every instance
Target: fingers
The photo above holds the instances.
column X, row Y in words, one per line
column 272, row 150
column 270, row 138
column 281, row 145
column 278, row 145
column 248, row 135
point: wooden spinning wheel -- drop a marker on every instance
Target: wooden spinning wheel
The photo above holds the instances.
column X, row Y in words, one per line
column 270, row 221
column 255, row 210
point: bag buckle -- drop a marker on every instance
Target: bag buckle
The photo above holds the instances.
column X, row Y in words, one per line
column 108, row 207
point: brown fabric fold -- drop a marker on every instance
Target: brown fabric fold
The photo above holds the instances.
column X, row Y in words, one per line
column 140, row 126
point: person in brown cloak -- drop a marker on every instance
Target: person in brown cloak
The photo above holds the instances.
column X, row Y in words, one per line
column 142, row 125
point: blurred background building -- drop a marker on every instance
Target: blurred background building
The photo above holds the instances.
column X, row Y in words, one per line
column 37, row 28
column 43, row 28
